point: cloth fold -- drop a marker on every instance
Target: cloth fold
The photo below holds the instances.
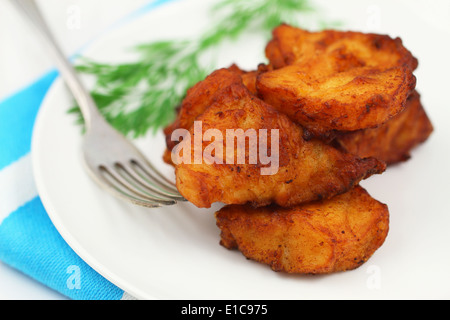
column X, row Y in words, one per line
column 30, row 243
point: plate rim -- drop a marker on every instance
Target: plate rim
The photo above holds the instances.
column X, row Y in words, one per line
column 68, row 237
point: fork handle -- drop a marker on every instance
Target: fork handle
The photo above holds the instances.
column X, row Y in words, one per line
column 87, row 105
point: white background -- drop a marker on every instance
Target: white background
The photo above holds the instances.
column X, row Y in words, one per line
column 423, row 25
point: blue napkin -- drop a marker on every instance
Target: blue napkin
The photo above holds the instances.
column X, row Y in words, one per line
column 28, row 240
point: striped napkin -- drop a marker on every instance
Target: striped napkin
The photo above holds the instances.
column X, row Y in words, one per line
column 28, row 240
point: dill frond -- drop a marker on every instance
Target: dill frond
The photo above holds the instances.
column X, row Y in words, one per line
column 142, row 95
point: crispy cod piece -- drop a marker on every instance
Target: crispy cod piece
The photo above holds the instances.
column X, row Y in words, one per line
column 204, row 93
column 307, row 170
column 393, row 141
column 319, row 237
column 199, row 97
column 332, row 51
column 249, row 77
column 336, row 81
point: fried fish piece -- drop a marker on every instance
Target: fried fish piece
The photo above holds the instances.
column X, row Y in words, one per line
column 199, row 97
column 336, row 81
column 319, row 237
column 306, row 170
column 249, row 77
column 358, row 99
column 203, row 94
column 393, row 141
column 331, row 51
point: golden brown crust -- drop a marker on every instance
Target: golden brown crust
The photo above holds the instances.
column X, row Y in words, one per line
column 333, row 80
column 249, row 77
column 360, row 98
column 332, row 51
column 308, row 170
column 320, row 237
column 204, row 93
column 199, row 97
column 393, row 141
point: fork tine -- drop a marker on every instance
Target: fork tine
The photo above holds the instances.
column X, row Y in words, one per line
column 151, row 187
column 135, row 192
column 155, row 176
column 121, row 194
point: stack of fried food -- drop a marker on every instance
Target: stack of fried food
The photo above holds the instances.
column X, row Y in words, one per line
column 346, row 107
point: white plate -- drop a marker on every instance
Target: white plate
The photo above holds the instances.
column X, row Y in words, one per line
column 174, row 252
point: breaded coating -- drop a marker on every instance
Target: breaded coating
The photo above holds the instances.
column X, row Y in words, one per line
column 204, row 93
column 332, row 51
column 308, row 170
column 320, row 237
column 249, row 77
column 198, row 98
column 393, row 141
column 336, row 81
column 201, row 96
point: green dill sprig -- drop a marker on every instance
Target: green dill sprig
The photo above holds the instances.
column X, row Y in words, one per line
column 141, row 95
column 134, row 97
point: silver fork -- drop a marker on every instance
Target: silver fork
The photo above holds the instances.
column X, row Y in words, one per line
column 112, row 161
